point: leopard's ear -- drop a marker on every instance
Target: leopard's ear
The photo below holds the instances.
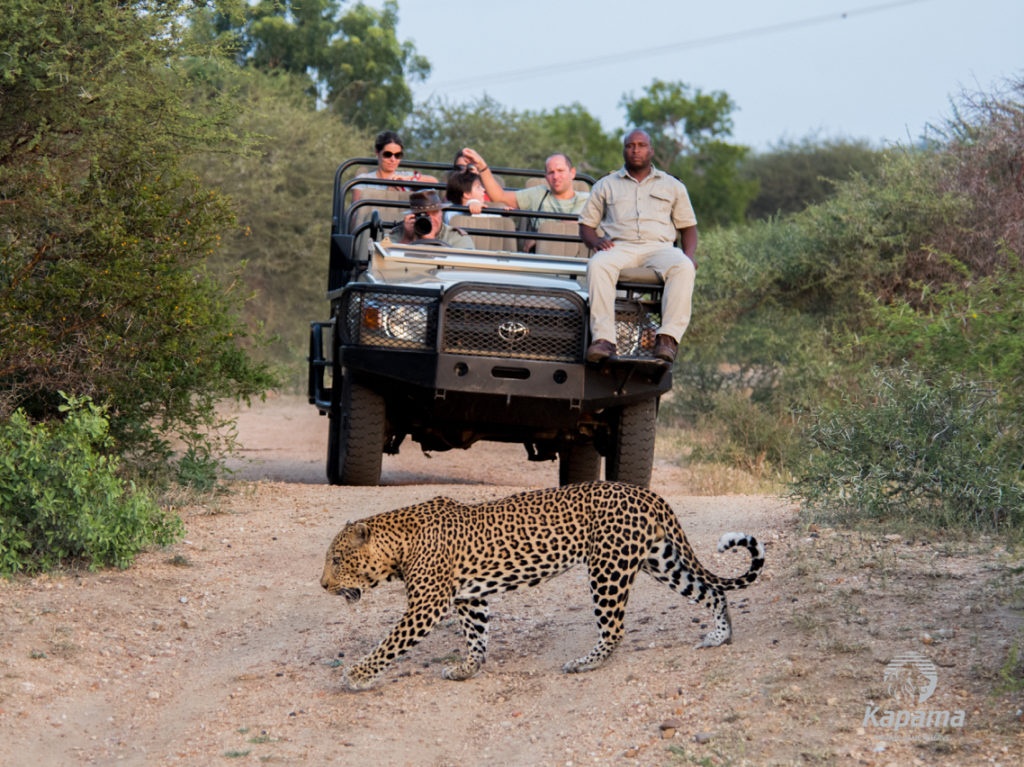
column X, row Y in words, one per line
column 360, row 533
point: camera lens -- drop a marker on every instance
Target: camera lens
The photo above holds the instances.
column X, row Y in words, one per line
column 422, row 225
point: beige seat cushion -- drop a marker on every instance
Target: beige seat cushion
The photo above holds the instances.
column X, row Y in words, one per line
column 483, row 241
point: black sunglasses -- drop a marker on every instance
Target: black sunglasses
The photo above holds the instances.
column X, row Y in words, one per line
column 388, row 155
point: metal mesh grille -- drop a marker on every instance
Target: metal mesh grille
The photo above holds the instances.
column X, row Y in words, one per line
column 523, row 324
column 635, row 330
column 393, row 320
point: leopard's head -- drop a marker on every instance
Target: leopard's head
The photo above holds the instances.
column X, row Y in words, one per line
column 353, row 562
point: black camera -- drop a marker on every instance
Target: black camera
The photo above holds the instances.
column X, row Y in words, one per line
column 423, row 224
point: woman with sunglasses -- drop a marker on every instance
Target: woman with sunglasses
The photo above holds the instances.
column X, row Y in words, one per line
column 389, row 149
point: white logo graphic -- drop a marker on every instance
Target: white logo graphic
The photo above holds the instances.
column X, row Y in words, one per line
column 911, row 676
column 911, row 679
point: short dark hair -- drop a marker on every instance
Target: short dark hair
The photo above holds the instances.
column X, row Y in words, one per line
column 386, row 137
column 568, row 160
column 460, row 183
column 460, row 153
column 631, row 131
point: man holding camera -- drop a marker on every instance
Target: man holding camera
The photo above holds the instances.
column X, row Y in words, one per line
column 424, row 222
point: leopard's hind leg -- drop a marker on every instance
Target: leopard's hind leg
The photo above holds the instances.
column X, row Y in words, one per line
column 609, row 588
column 473, row 615
column 681, row 571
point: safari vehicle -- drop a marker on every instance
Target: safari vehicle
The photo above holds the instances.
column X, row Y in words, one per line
column 447, row 346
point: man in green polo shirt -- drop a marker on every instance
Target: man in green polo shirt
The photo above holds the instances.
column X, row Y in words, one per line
column 556, row 196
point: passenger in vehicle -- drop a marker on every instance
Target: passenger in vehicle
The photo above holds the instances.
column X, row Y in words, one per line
column 557, row 196
column 461, row 163
column 425, row 210
column 465, row 188
column 389, row 149
column 641, row 210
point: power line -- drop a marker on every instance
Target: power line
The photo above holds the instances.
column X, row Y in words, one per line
column 700, row 42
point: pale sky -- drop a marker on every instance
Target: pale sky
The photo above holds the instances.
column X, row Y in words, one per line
column 858, row 69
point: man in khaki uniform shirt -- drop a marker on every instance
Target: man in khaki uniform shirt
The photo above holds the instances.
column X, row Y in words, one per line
column 641, row 210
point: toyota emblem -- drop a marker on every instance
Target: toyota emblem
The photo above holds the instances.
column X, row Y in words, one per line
column 512, row 331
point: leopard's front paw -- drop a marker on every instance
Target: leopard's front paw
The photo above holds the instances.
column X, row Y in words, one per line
column 462, row 671
column 356, row 679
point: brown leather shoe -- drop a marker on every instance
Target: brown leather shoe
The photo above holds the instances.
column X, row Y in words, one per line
column 665, row 347
column 601, row 349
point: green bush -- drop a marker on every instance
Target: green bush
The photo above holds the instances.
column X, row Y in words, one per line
column 795, row 174
column 756, row 353
column 61, row 499
column 104, row 230
column 908, row 448
column 933, row 432
column 776, row 301
column 972, row 329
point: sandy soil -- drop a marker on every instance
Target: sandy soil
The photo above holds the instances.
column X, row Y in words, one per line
column 224, row 649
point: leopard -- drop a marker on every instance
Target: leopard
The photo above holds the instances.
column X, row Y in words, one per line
column 452, row 556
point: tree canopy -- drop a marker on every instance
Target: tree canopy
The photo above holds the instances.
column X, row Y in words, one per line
column 352, row 60
column 688, row 129
column 795, row 174
column 281, row 192
column 104, row 230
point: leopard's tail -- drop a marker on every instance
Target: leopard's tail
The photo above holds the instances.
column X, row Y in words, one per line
column 756, row 549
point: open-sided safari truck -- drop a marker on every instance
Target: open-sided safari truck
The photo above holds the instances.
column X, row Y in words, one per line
column 448, row 346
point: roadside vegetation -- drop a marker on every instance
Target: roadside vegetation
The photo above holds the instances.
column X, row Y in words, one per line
column 867, row 348
column 165, row 177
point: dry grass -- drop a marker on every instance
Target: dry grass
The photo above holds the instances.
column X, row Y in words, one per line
column 675, row 446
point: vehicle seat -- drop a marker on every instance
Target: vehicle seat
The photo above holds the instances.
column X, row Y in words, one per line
column 387, row 212
column 641, row 282
column 361, row 245
column 559, row 247
column 491, row 223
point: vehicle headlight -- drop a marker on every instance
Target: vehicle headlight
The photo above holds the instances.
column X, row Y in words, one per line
column 390, row 319
column 405, row 323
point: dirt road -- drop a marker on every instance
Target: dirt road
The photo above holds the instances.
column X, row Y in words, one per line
column 224, row 649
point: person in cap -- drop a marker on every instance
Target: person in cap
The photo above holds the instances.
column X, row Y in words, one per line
column 426, row 206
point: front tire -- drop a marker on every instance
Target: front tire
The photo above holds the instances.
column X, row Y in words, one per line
column 355, row 437
column 631, row 458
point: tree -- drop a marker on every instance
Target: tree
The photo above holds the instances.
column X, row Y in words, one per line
column 573, row 130
column 282, row 194
column 438, row 128
column 104, row 232
column 687, row 129
column 352, row 61
column 793, row 175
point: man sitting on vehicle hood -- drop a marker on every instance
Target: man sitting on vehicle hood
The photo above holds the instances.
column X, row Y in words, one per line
column 424, row 222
